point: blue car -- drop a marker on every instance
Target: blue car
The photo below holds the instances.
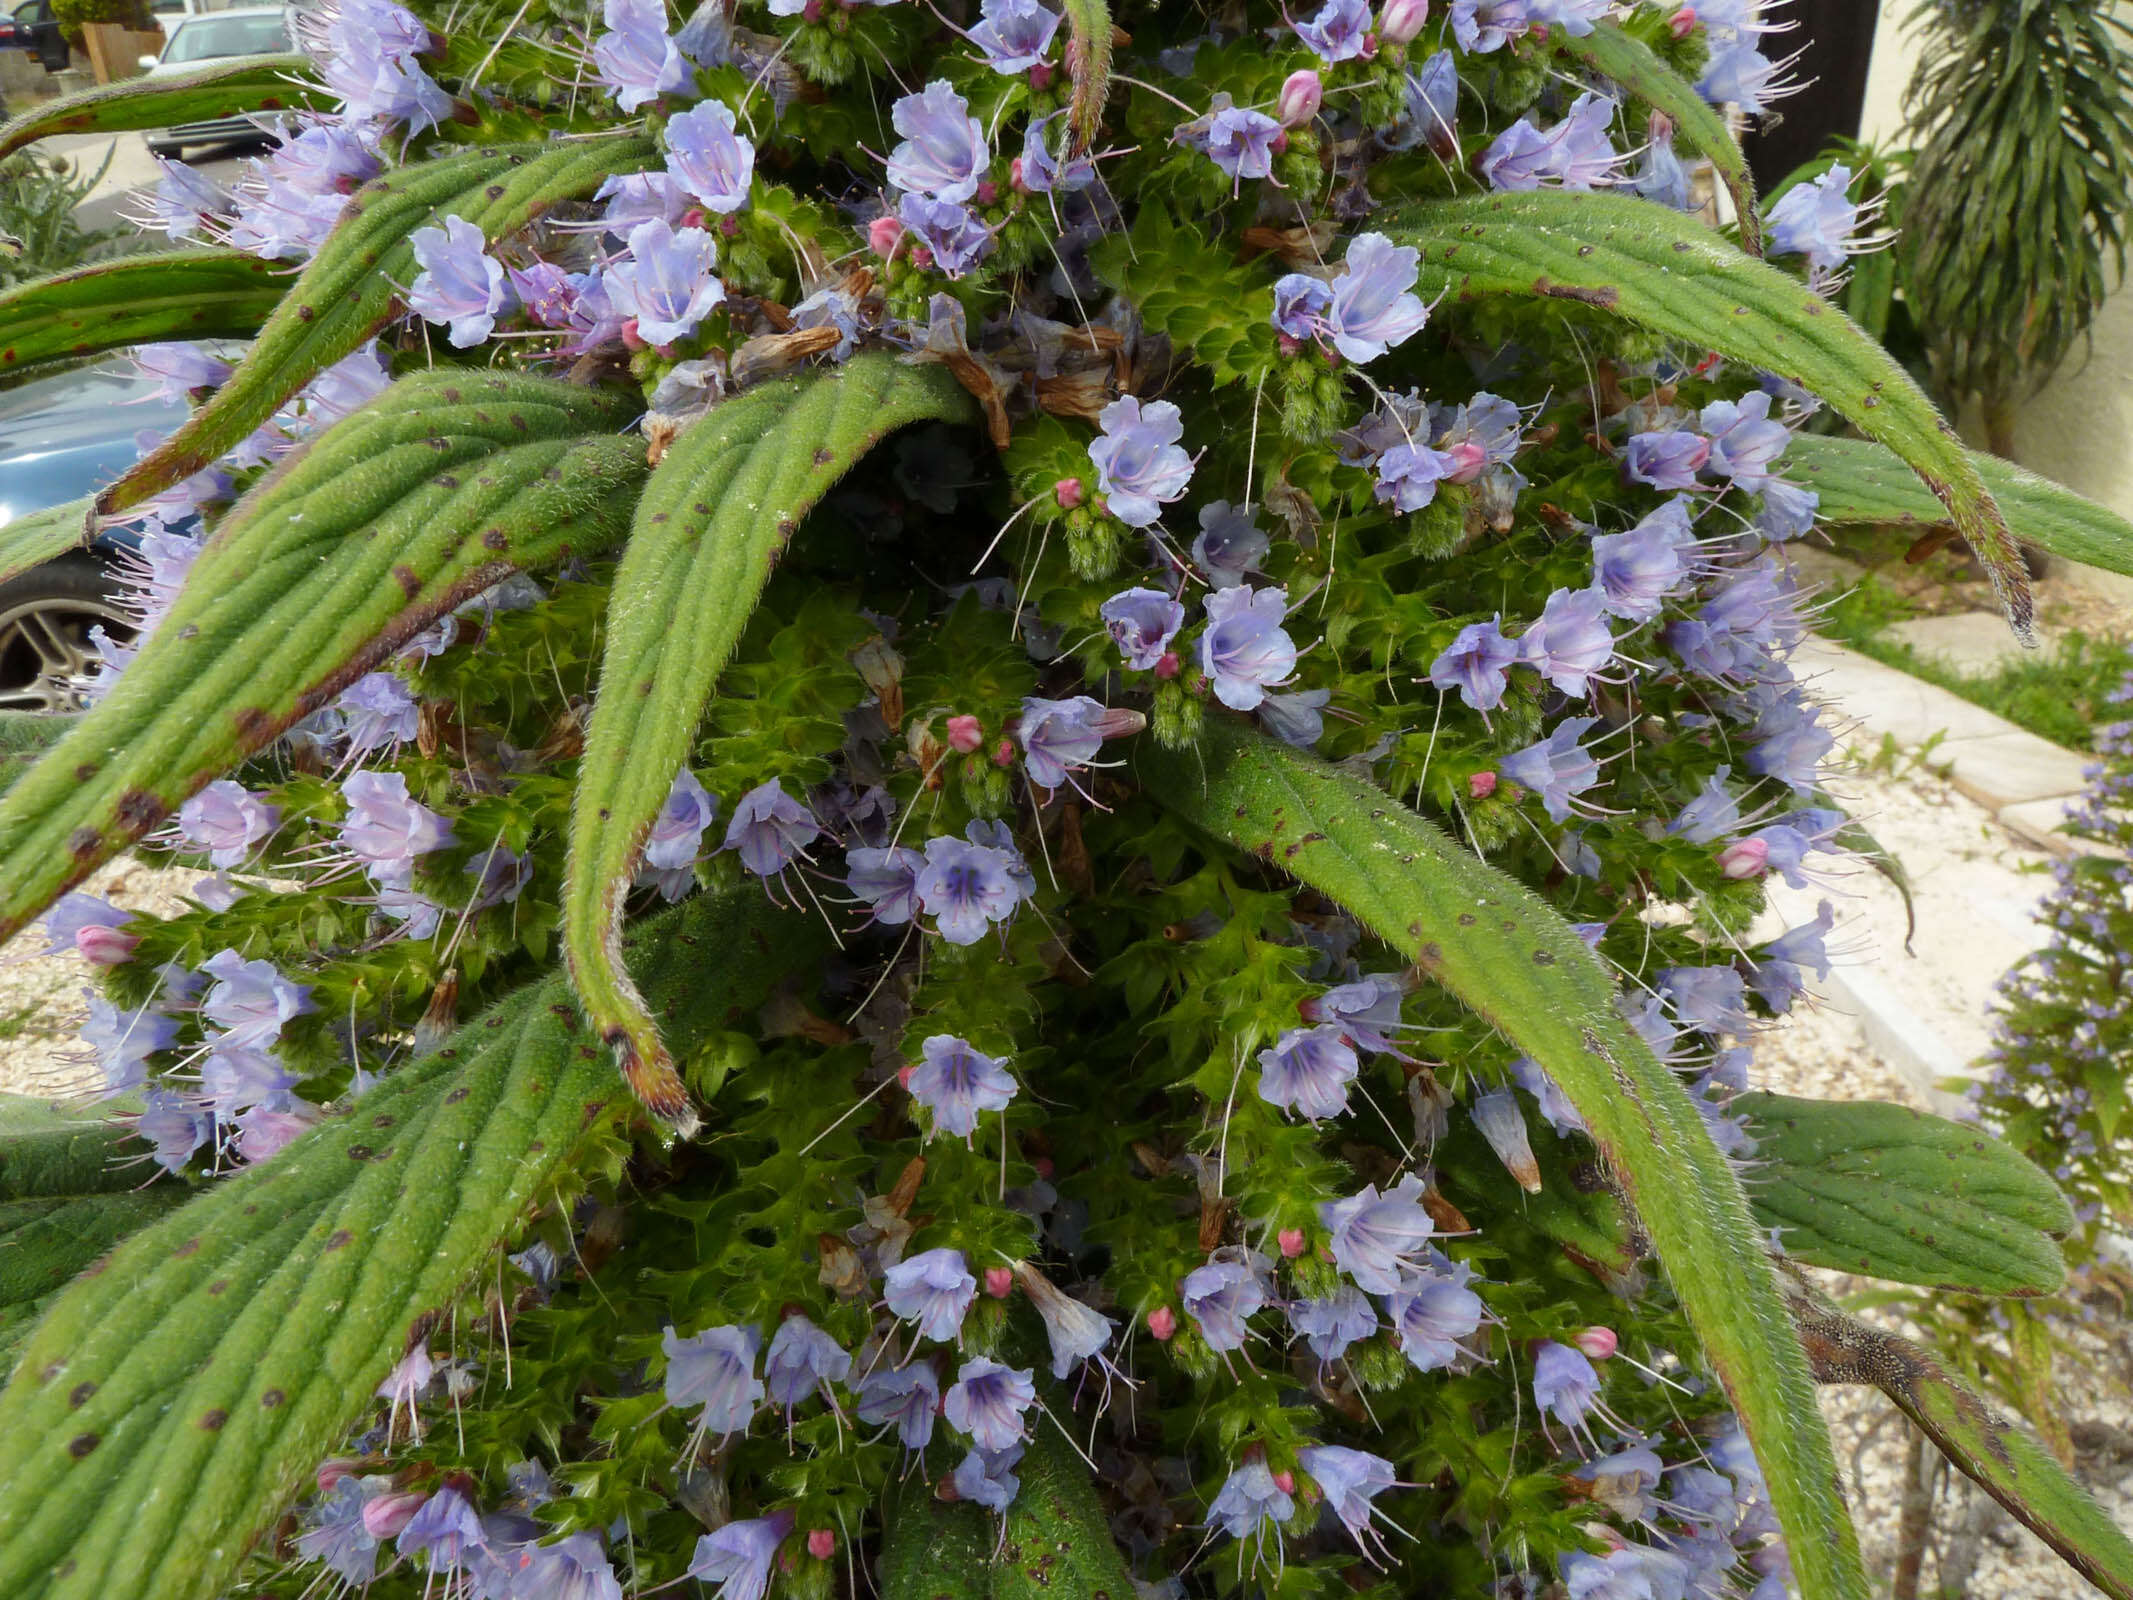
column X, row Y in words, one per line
column 61, row 438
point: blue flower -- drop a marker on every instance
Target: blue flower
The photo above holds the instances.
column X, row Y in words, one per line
column 905, row 1396
column 1484, row 25
column 887, row 880
column 173, row 1127
column 1557, row 767
column 1142, row 622
column 386, row 830
column 710, row 157
column 1781, row 965
column 987, row 1477
column 1242, row 143
column 1408, row 475
column 987, row 1402
column 672, row 848
column 956, row 1081
column 770, row 829
column 1015, row 35
column 666, row 282
column 1300, row 301
column 1666, row 460
column 1296, row 719
column 1739, row 75
column 1308, row 1071
column 1710, row 998
column 1637, row 571
column 738, row 1556
column 634, row 197
column 1244, row 650
column 944, row 154
column 1140, row 466
column 1040, row 172
column 966, row 886
column 1250, row 1499
column 635, row 57
column 1229, row 544
column 1497, row 1115
column 1375, row 1236
column 226, row 820
column 1220, row 1296
column 932, row 1289
column 1576, row 153
column 1366, row 1011
column 1432, row 1311
column 1565, row 1385
column 1373, row 306
column 1350, row 1480
column 1744, row 441
column 715, row 1369
column 1574, row 17
column 1477, row 664
column 1662, row 179
column 1076, row 1332
column 1570, row 642
column 460, row 285
column 444, row 1532
column 1339, row 32
column 1429, row 107
column 124, row 1040
column 1329, row 1326
column 574, row 1568
column 1061, row 737
column 1788, row 511
column 334, row 1535
column 1555, row 1106
column 250, row 1002
column 952, row 234
column 802, row 1359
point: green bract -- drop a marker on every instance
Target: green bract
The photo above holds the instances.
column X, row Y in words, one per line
column 1201, row 628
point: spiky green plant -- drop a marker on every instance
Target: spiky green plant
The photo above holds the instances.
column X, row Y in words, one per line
column 2016, row 203
column 1019, row 1094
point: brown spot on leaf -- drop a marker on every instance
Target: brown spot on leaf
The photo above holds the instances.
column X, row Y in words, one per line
column 78, row 1396
column 83, row 842
column 212, row 1422
column 272, row 1398
column 82, row 1443
column 1606, row 296
column 340, row 1240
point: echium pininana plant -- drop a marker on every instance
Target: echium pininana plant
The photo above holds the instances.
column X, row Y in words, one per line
column 2063, row 1026
column 983, row 794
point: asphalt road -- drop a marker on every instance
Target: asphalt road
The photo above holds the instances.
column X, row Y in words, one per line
column 132, row 168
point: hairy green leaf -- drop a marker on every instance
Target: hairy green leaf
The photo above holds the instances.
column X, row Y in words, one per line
column 180, row 294
column 935, row 1549
column 1505, row 953
column 2001, row 1456
column 1674, row 276
column 451, row 479
column 24, row 738
column 1630, row 62
column 224, row 89
column 1058, row 1540
column 352, row 287
column 1575, row 1206
column 33, row 540
column 728, row 494
column 46, row 1151
column 166, row 1407
column 1868, row 1187
column 1861, row 483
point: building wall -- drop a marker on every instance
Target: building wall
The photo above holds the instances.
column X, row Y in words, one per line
column 2077, row 429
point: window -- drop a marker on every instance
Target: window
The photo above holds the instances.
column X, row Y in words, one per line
column 207, row 38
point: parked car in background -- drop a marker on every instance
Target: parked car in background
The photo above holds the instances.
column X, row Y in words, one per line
column 61, row 438
column 214, row 36
column 36, row 30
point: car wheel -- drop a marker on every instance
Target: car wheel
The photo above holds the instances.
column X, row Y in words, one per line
column 45, row 649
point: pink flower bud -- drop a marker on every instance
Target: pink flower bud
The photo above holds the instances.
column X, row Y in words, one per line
column 922, row 258
column 1481, row 785
column 631, row 339
column 812, row 11
column 1068, row 492
column 1682, row 23
column 729, row 227
column 964, row 734
column 1285, row 1481
column 387, row 1514
column 1289, row 344
column 1598, row 1343
column 1003, row 753
column 1279, row 144
column 1303, row 94
column 693, row 217
column 821, row 1543
column 1040, row 76
column 988, row 191
column 1745, row 858
column 1044, row 1167
column 1401, row 20
column 1014, row 176
column 1162, row 1322
column 903, row 1076
column 1469, row 461
column 105, row 947
column 1168, row 666
column 882, row 234
column 331, row 1472
column 1291, row 1241
column 999, row 1281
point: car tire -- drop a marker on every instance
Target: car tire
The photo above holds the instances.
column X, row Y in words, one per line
column 45, row 618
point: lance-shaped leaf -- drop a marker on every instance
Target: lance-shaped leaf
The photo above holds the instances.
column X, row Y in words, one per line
column 1868, row 1187
column 1630, row 62
column 934, row 1549
column 24, row 738
column 1057, row 1540
column 1511, row 958
column 167, row 1406
column 410, row 507
column 33, row 540
column 179, row 294
column 352, row 287
column 1671, row 274
column 1575, row 1207
column 728, row 494
column 2002, row 1457
column 1860, row 483
column 224, row 89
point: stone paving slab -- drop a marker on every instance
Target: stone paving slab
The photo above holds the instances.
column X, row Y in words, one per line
column 2000, row 770
column 1969, row 642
